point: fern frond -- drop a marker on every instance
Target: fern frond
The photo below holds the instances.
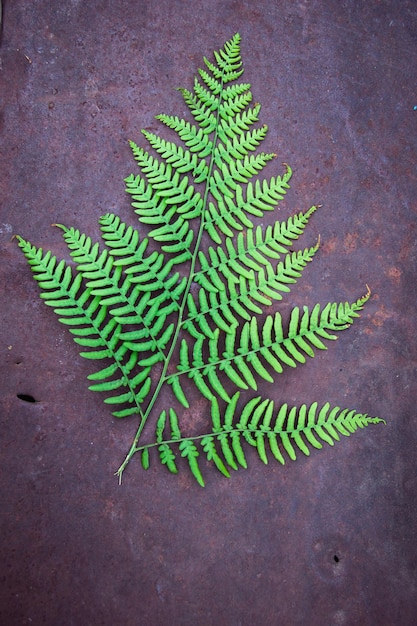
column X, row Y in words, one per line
column 201, row 110
column 234, row 104
column 275, row 433
column 126, row 299
column 87, row 318
column 228, row 62
column 173, row 232
column 237, row 171
column 247, row 294
column 237, row 127
column 166, row 455
column 255, row 352
column 166, row 309
column 243, row 292
column 150, row 273
column 196, row 139
column 230, row 211
column 169, row 190
column 182, row 160
column 253, row 250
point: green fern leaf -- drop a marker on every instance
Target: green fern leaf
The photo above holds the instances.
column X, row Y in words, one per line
column 189, row 450
column 246, row 355
column 184, row 307
column 145, row 458
column 91, row 328
column 209, row 448
column 254, row 251
column 294, row 430
column 182, row 160
column 195, row 139
column 245, row 292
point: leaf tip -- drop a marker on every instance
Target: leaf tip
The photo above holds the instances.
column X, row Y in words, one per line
column 61, row 226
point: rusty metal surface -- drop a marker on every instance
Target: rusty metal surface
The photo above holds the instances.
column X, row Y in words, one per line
column 328, row 540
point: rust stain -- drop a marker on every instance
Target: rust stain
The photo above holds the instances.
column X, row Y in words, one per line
column 349, row 243
column 408, row 244
column 329, row 246
column 112, row 510
column 381, row 316
column 395, row 274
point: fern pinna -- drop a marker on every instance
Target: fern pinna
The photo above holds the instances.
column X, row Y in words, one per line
column 162, row 310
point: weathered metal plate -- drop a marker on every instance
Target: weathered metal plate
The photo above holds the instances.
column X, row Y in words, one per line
column 328, row 540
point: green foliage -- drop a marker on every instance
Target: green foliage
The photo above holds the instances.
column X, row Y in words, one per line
column 155, row 312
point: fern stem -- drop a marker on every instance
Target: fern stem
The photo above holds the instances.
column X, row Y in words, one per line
column 163, row 378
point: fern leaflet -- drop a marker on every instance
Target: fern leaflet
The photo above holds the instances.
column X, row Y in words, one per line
column 274, row 433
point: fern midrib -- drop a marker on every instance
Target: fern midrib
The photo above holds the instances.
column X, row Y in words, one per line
column 113, row 355
column 190, row 280
column 125, row 377
column 259, row 431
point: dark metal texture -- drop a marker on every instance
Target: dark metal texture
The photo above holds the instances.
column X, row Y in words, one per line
column 328, row 540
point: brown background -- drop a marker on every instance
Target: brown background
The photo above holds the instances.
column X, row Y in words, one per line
column 328, row 540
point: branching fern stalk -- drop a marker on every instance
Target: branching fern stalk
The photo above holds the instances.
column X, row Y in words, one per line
column 162, row 311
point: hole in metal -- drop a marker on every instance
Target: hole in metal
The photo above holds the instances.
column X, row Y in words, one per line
column 26, row 397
